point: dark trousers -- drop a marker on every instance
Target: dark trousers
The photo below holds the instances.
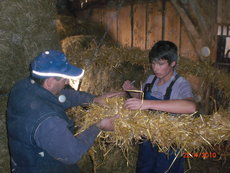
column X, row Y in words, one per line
column 152, row 161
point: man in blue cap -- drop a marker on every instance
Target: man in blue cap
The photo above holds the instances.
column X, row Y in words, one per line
column 40, row 134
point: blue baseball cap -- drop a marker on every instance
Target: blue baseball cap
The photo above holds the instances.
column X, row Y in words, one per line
column 53, row 63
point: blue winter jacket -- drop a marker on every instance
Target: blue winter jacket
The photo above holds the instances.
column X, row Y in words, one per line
column 40, row 133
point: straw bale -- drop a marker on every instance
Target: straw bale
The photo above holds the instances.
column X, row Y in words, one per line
column 210, row 75
column 108, row 158
column 4, row 153
column 68, row 26
column 27, row 28
column 106, row 68
column 186, row 131
column 109, row 59
column 79, row 41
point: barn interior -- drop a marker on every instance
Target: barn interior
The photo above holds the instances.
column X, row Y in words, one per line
column 111, row 39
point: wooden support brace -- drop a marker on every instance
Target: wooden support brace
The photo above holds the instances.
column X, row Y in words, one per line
column 194, row 35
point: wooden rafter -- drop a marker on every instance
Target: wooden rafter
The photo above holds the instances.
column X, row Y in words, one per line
column 193, row 33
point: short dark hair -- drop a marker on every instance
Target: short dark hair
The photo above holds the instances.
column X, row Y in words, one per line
column 166, row 50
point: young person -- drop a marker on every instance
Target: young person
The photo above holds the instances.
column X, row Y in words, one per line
column 164, row 90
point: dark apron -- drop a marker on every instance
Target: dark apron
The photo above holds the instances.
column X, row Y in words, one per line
column 149, row 159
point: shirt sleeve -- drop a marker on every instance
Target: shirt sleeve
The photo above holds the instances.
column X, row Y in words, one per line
column 186, row 90
column 182, row 89
column 53, row 136
column 76, row 98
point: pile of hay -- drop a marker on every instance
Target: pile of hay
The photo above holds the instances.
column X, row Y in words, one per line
column 107, row 67
column 186, row 131
column 4, row 153
column 105, row 71
column 211, row 75
column 68, row 26
column 27, row 28
column 119, row 64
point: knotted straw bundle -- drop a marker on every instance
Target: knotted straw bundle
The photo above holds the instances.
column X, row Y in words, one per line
column 187, row 132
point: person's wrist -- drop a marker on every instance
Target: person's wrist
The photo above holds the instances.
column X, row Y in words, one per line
column 98, row 125
column 147, row 104
column 95, row 99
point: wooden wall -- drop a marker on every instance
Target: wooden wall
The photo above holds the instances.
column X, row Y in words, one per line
column 223, row 12
column 142, row 24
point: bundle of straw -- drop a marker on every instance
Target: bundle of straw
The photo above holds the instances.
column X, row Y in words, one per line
column 186, row 131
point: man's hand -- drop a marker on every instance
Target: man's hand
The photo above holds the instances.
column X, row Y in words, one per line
column 107, row 123
column 113, row 94
column 134, row 104
column 101, row 99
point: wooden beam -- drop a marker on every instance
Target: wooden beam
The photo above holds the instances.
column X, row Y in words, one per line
column 194, row 35
column 208, row 35
column 202, row 24
column 185, row 19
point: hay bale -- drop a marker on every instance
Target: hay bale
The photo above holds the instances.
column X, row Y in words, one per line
column 107, row 68
column 77, row 41
column 210, row 75
column 108, row 59
column 68, row 26
column 27, row 28
column 119, row 64
column 214, row 91
column 4, row 153
column 108, row 158
column 187, row 132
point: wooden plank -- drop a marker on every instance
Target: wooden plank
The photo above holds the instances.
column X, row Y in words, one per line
column 109, row 21
column 124, row 26
column 139, row 26
column 96, row 16
column 226, row 14
column 186, row 48
column 154, row 24
column 223, row 14
column 172, row 24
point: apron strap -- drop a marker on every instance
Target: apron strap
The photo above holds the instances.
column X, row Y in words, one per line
column 169, row 89
column 149, row 86
column 167, row 95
